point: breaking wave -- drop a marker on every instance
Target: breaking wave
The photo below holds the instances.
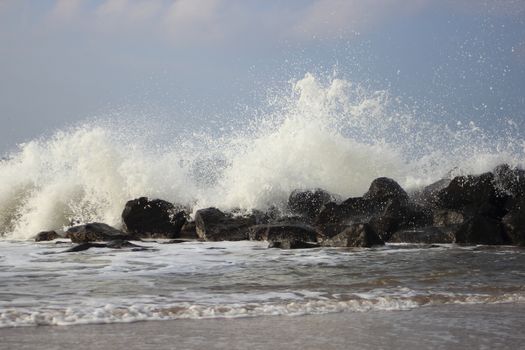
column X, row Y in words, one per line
column 322, row 132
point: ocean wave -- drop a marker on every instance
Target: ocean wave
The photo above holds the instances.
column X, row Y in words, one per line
column 150, row 312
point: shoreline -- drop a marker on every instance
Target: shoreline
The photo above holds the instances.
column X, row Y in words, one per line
column 480, row 326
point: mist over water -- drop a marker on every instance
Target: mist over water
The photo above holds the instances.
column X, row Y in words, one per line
column 320, row 132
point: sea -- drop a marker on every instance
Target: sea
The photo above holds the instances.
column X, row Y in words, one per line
column 320, row 131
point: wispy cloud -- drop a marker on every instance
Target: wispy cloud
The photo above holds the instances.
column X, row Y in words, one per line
column 218, row 21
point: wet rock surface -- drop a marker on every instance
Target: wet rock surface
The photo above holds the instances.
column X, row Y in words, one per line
column 357, row 235
column 96, row 232
column 153, row 218
column 214, row 225
column 486, row 209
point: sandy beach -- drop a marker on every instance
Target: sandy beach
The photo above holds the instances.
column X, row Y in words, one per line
column 442, row 327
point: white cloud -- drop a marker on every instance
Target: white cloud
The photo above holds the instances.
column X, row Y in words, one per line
column 208, row 21
column 336, row 17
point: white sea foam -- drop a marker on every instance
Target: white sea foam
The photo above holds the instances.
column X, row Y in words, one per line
column 110, row 313
column 326, row 133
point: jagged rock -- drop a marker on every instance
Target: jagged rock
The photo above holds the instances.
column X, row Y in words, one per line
column 214, row 225
column 514, row 223
column 473, row 195
column 428, row 235
column 397, row 216
column 96, row 231
column 287, row 244
column 283, row 232
column 153, row 218
column 384, row 215
column 308, row 203
column 46, row 236
column 357, row 235
column 384, row 189
column 481, row 230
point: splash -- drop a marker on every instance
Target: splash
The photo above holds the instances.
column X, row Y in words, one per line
column 323, row 132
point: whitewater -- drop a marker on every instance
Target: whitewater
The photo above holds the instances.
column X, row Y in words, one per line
column 319, row 131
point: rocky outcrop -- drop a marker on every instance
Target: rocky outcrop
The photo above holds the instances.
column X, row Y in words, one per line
column 386, row 207
column 46, row 236
column 308, row 203
column 473, row 195
column 153, row 218
column 357, row 235
column 96, row 232
column 213, row 225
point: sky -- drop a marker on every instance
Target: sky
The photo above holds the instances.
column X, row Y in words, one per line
column 64, row 61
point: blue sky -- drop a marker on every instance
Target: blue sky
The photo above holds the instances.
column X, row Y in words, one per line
column 62, row 61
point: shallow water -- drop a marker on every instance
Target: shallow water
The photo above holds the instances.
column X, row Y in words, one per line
column 234, row 279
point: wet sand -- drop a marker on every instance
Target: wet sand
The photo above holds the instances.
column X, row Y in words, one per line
column 498, row 326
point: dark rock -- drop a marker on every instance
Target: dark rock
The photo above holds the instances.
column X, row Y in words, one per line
column 115, row 244
column 397, row 216
column 308, row 203
column 287, row 244
column 96, row 232
column 84, row 246
column 473, row 195
column 384, row 189
column 155, row 218
column 428, row 235
column 509, row 180
column 46, row 236
column 514, row 223
column 428, row 196
column 481, row 230
column 282, row 232
column 188, row 230
column 350, row 211
column 214, row 225
column 357, row 235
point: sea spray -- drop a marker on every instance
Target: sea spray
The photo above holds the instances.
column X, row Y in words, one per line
column 323, row 132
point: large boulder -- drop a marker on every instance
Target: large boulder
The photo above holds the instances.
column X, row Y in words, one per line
column 473, row 195
column 384, row 213
column 514, row 223
column 308, row 203
column 357, row 235
column 283, row 232
column 384, row 189
column 481, row 230
column 153, row 218
column 213, row 225
column 96, row 232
